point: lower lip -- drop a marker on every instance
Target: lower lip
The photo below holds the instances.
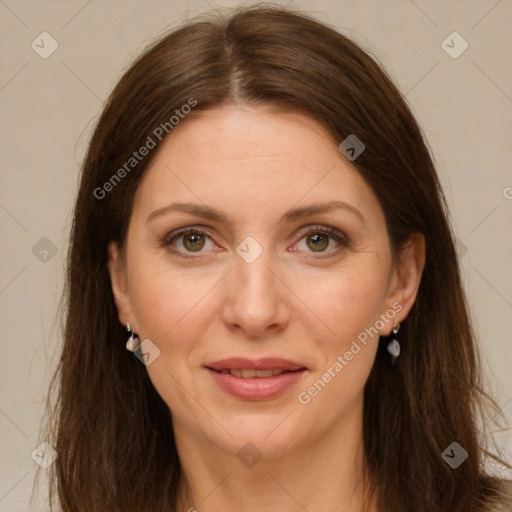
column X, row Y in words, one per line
column 257, row 388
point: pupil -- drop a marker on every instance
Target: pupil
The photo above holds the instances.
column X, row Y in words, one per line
column 318, row 238
column 194, row 238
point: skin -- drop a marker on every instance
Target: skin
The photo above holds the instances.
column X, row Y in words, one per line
column 298, row 300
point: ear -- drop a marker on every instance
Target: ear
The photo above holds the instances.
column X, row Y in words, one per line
column 405, row 281
column 117, row 270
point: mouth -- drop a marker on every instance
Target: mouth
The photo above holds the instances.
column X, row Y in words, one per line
column 254, row 380
column 249, row 373
column 244, row 367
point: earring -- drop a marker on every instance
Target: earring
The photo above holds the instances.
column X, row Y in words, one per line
column 393, row 345
column 133, row 340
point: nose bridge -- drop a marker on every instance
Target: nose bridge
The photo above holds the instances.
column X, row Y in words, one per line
column 254, row 273
column 257, row 298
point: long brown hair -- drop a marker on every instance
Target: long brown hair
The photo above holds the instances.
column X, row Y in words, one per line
column 111, row 429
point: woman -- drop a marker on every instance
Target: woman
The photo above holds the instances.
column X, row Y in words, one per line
column 259, row 215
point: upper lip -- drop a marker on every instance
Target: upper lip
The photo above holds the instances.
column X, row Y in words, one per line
column 266, row 363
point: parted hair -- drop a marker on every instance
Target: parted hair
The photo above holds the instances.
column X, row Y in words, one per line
column 111, row 429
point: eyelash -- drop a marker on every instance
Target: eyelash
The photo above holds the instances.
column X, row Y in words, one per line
column 333, row 233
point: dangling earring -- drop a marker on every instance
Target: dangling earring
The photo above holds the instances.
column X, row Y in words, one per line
column 133, row 340
column 393, row 345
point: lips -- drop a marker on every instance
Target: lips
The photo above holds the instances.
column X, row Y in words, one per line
column 267, row 363
column 251, row 374
column 260, row 379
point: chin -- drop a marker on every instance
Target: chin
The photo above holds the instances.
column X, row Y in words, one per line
column 267, row 434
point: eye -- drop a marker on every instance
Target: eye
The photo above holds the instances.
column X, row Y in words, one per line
column 319, row 238
column 193, row 239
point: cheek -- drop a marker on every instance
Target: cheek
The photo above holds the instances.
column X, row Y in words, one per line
column 348, row 302
column 173, row 309
column 168, row 303
column 350, row 307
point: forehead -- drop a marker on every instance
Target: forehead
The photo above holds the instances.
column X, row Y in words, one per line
column 255, row 137
column 250, row 161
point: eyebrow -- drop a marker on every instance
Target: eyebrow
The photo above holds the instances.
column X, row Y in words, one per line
column 212, row 214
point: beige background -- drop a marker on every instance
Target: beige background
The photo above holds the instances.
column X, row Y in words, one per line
column 49, row 105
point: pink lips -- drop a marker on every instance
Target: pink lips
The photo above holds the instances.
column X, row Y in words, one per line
column 267, row 363
column 256, row 388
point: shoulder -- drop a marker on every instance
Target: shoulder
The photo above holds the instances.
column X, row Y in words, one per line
column 508, row 484
column 505, row 488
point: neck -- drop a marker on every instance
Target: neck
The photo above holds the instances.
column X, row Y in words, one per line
column 322, row 473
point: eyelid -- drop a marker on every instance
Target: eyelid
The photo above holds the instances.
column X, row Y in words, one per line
column 183, row 231
column 324, row 228
column 333, row 233
column 170, row 237
column 339, row 236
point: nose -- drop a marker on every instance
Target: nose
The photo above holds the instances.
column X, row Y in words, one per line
column 257, row 300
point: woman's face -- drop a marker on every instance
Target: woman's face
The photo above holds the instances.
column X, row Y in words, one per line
column 259, row 280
